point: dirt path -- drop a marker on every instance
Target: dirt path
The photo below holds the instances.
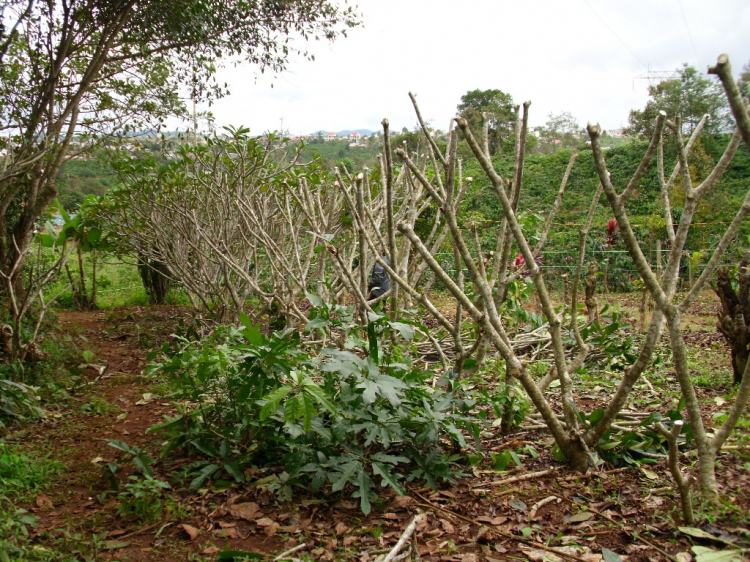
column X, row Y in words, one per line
column 108, row 405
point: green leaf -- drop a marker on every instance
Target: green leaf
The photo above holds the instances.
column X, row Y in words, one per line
column 705, row 554
column 292, row 409
column 252, row 332
column 596, row 416
column 319, row 394
column 315, row 300
column 581, row 517
column 383, row 385
column 364, row 483
column 234, row 469
column 516, row 458
column 406, row 331
column 120, row 445
column 388, row 478
column 344, row 475
column 372, row 338
column 63, row 213
column 308, row 410
column 315, row 324
column 610, row 556
column 273, row 400
column 94, row 236
column 500, row 461
column 205, row 448
column 701, row 534
column 203, row 475
column 470, row 364
column 390, row 459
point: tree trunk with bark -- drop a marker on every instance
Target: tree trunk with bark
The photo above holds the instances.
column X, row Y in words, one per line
column 734, row 317
column 155, row 278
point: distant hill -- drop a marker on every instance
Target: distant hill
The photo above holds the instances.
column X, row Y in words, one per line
column 347, row 132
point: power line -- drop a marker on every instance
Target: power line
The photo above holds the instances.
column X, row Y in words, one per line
column 690, row 35
column 615, row 34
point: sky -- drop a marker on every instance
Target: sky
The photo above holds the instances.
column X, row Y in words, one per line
column 579, row 56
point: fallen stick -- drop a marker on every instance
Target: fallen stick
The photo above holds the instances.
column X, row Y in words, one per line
column 591, row 474
column 539, row 504
column 142, row 530
column 404, row 538
column 290, row 551
column 519, row 478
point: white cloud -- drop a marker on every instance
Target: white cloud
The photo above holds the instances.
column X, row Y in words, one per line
column 563, row 55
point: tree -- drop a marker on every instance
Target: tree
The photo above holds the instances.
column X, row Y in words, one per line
column 744, row 81
column 561, row 131
column 85, row 70
column 491, row 108
column 690, row 96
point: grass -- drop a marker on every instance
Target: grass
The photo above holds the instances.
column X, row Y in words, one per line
column 118, row 284
column 22, row 476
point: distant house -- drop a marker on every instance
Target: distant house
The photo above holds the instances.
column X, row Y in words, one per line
column 355, row 136
column 331, row 136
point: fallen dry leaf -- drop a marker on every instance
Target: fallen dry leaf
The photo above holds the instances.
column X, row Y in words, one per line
column 272, row 529
column 230, row 533
column 264, row 522
column 345, row 505
column 192, row 532
column 536, row 555
column 580, row 517
column 447, row 526
column 401, row 502
column 341, row 528
column 246, row 510
column 43, row 502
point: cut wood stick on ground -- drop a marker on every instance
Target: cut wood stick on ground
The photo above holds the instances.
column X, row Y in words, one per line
column 592, row 474
column 542, row 473
column 291, row 551
column 539, row 504
column 540, row 546
column 519, row 478
column 404, row 538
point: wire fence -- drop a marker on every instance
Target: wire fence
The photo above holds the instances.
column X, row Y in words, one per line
column 617, row 271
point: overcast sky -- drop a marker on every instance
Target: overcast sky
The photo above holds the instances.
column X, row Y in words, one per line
column 581, row 56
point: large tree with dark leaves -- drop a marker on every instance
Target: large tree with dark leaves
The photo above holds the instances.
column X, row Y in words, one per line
column 492, row 109
column 689, row 96
column 76, row 72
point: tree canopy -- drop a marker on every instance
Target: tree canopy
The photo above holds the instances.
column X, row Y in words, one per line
column 690, row 96
column 493, row 108
column 75, row 71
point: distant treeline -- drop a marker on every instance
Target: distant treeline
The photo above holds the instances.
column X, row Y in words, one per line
column 542, row 176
